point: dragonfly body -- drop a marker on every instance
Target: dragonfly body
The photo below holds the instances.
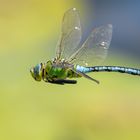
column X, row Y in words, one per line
column 74, row 61
column 59, row 72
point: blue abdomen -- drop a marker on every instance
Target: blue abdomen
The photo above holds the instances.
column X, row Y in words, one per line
column 127, row 70
column 84, row 69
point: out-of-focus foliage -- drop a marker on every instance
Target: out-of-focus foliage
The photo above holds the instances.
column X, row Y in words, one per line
column 31, row 110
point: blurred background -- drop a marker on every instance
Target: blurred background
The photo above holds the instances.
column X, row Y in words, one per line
column 30, row 110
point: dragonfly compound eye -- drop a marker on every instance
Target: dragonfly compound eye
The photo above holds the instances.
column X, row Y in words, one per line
column 36, row 72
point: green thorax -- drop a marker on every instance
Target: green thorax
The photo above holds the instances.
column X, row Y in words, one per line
column 60, row 70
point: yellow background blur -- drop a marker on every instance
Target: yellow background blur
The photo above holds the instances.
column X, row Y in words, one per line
column 31, row 110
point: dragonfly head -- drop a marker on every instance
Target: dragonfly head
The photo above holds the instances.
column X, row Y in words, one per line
column 36, row 72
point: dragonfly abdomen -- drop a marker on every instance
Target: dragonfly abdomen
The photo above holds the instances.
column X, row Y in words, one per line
column 116, row 69
column 127, row 70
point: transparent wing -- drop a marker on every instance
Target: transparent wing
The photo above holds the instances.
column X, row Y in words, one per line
column 94, row 49
column 70, row 34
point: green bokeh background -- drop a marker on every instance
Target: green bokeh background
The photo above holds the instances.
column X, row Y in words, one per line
column 31, row 110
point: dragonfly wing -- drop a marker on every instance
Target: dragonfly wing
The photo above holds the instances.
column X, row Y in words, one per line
column 70, row 34
column 85, row 75
column 94, row 49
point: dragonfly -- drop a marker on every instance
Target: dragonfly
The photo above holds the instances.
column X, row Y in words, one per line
column 73, row 60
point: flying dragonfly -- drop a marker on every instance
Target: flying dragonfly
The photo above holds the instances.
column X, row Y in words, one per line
column 73, row 60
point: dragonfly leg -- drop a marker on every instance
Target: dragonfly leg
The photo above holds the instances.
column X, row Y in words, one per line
column 56, row 82
column 70, row 81
column 63, row 81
